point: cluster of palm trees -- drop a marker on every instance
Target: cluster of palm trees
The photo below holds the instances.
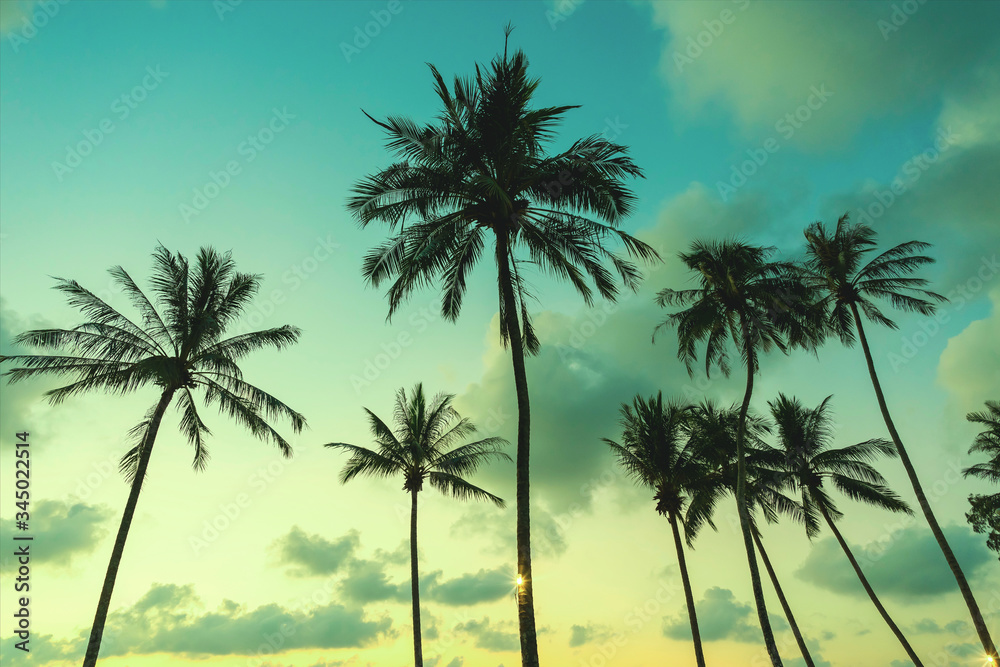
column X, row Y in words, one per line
column 687, row 455
column 480, row 172
column 754, row 304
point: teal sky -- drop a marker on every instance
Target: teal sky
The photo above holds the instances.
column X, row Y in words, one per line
column 239, row 125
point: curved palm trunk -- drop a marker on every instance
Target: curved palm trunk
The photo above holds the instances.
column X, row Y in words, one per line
column 784, row 603
column 871, row 593
column 744, row 514
column 695, row 634
column 104, row 602
column 418, row 654
column 525, row 593
column 925, row 507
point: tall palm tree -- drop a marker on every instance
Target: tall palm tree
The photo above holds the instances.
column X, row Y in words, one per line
column 806, row 437
column 758, row 305
column 481, row 171
column 178, row 349
column 713, row 430
column 423, row 447
column 835, row 265
column 985, row 513
column 656, row 453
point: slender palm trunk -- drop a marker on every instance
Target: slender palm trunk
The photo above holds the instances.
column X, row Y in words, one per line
column 104, row 602
column 418, row 654
column 925, row 506
column 695, row 634
column 784, row 603
column 525, row 592
column 741, row 505
column 868, row 589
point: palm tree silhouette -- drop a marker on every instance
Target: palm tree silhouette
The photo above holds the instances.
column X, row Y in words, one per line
column 178, row 348
column 806, row 437
column 481, row 170
column 985, row 513
column 655, row 452
column 713, row 430
column 835, row 266
column 758, row 305
column 423, row 448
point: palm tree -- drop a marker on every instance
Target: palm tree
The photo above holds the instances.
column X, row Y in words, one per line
column 806, row 437
column 178, row 348
column 758, row 305
column 423, row 448
column 481, row 170
column 985, row 513
column 656, row 453
column 835, row 266
column 714, row 432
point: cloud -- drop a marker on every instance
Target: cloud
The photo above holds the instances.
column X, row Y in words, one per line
column 313, row 555
column 494, row 531
column 584, row 634
column 720, row 617
column 495, row 637
column 910, row 568
column 971, row 112
column 574, row 398
column 366, row 581
column 166, row 619
column 22, row 405
column 930, row 186
column 711, row 60
column 470, row 589
column 61, row 530
column 170, row 619
column 13, row 14
column 969, row 367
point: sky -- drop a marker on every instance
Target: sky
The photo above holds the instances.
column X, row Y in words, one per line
column 239, row 125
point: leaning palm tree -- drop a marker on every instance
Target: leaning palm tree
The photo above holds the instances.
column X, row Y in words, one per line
column 178, row 348
column 758, row 305
column 423, row 447
column 806, row 437
column 985, row 513
column 655, row 452
column 481, row 171
column 713, row 434
column 835, row 265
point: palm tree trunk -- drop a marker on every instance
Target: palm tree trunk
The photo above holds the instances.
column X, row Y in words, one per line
column 868, row 589
column 695, row 634
column 418, row 655
column 925, row 507
column 525, row 592
column 104, row 602
column 784, row 603
column 741, row 505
